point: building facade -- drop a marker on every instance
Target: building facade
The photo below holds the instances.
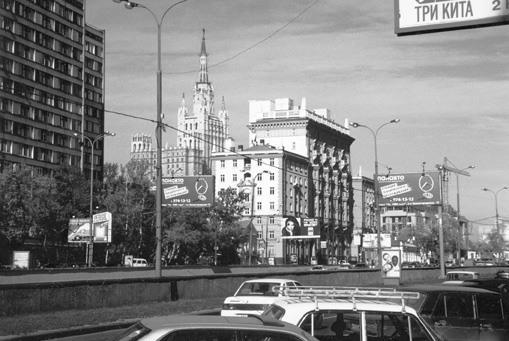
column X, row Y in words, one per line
column 52, row 83
column 277, row 183
column 364, row 220
column 200, row 131
column 326, row 146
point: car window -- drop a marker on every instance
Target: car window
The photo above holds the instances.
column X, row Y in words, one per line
column 490, row 307
column 259, row 289
column 275, row 311
column 454, row 305
column 332, row 325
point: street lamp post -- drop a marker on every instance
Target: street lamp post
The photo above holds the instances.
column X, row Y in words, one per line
column 460, row 234
column 496, row 210
column 159, row 114
column 90, row 245
column 377, row 208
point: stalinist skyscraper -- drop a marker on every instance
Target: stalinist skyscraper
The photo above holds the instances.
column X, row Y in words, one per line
column 200, row 132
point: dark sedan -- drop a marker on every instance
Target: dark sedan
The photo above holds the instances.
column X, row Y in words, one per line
column 463, row 313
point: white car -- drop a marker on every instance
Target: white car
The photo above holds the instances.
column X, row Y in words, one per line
column 457, row 277
column 254, row 296
column 211, row 328
column 335, row 313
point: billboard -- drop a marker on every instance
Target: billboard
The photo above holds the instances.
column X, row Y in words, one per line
column 391, row 263
column 410, row 189
column 370, row 240
column 79, row 229
column 188, row 191
column 427, row 16
column 299, row 228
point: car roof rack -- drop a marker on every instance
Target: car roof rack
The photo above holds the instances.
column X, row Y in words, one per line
column 349, row 293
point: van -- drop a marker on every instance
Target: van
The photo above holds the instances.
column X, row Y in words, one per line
column 139, row 262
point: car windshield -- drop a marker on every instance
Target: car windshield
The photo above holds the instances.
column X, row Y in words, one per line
column 257, row 288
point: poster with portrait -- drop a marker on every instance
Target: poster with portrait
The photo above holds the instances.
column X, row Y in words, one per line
column 391, row 263
column 290, row 226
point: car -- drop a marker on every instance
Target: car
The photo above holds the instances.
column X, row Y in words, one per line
column 254, row 296
column 342, row 313
column 500, row 285
column 456, row 277
column 361, row 266
column 139, row 262
column 449, row 263
column 462, row 313
column 211, row 328
column 504, row 273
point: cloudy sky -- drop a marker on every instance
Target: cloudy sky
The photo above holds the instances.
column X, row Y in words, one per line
column 450, row 90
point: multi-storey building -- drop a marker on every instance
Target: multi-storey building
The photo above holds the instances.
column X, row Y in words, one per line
column 52, row 84
column 364, row 218
column 325, row 145
column 200, row 132
column 277, row 183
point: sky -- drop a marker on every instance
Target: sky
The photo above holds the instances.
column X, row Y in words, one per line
column 449, row 89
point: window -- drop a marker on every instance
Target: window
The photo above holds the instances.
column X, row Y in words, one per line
column 490, row 307
column 258, row 205
column 271, row 176
column 234, row 177
column 259, row 162
column 272, row 206
column 234, row 163
column 258, row 220
column 222, row 163
column 453, row 305
column 222, row 177
column 271, row 190
column 271, row 162
column 259, row 235
column 271, row 220
column 259, row 191
column 271, row 234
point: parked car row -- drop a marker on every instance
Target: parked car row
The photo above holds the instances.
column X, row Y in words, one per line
column 468, row 308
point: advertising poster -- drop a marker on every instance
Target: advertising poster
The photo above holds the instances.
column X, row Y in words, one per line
column 391, row 263
column 188, row 191
column 405, row 189
column 293, row 227
column 79, row 229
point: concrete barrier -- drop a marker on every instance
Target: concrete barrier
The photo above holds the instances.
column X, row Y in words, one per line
column 97, row 292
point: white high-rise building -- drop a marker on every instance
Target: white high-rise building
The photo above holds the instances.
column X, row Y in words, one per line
column 200, row 131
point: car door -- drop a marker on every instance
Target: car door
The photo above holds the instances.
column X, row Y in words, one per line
column 493, row 313
column 454, row 317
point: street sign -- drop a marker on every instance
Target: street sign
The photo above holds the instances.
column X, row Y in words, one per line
column 188, row 191
column 405, row 189
column 427, row 16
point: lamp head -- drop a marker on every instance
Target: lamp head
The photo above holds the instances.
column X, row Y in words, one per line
column 484, row 189
column 471, row 167
column 396, row 120
column 354, row 124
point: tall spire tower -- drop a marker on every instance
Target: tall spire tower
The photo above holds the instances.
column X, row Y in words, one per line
column 204, row 73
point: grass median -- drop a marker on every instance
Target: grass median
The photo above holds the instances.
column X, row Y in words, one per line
column 31, row 323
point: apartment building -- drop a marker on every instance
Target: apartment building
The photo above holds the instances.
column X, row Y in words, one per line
column 52, row 85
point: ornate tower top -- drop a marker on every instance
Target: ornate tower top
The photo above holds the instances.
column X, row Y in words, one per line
column 204, row 76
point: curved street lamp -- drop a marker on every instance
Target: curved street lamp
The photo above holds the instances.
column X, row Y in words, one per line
column 377, row 208
column 496, row 209
column 90, row 244
column 159, row 116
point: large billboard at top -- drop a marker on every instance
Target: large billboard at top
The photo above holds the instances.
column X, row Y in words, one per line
column 410, row 189
column 188, row 191
column 427, row 16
